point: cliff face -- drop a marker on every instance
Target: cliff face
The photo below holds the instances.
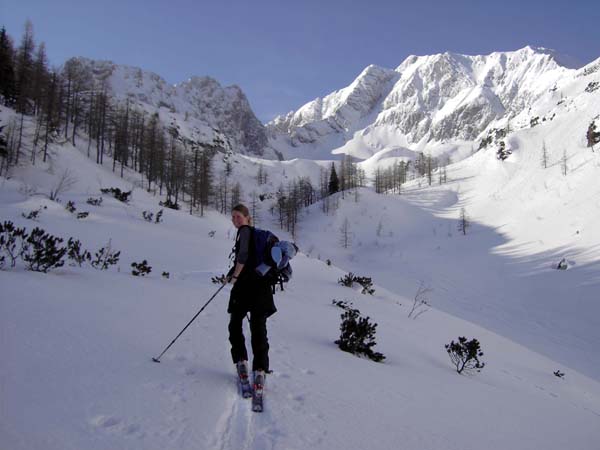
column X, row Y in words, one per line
column 201, row 101
column 425, row 99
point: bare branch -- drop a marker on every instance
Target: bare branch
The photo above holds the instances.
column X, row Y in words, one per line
column 421, row 301
column 65, row 182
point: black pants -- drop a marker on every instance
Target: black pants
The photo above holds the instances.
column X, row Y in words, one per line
column 260, row 343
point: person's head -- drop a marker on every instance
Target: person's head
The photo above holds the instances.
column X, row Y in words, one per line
column 240, row 215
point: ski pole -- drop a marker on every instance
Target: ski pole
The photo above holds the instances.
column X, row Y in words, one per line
column 157, row 359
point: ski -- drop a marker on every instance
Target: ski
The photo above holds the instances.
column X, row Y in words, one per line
column 257, row 399
column 245, row 387
column 258, row 392
column 244, row 382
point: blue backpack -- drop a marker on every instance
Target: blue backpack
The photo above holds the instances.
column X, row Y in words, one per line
column 273, row 257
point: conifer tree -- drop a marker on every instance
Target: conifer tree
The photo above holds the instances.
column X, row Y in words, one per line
column 78, row 82
column 24, row 69
column 429, row 166
column 50, row 112
column 544, row 155
column 463, row 222
column 254, row 207
column 345, row 234
column 40, row 78
column 7, row 69
column 334, row 182
column 378, row 181
column 236, row 195
column 324, row 189
column 260, row 175
column 592, row 136
column 206, row 178
column 151, row 148
column 280, row 205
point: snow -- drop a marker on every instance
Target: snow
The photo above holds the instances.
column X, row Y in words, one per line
column 443, row 98
column 78, row 372
column 79, row 342
column 199, row 108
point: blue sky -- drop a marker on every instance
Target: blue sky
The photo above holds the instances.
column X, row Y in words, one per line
column 283, row 53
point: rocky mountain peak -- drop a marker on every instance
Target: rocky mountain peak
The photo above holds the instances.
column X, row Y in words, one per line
column 200, row 98
column 433, row 98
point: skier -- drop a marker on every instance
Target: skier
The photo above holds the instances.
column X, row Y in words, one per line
column 250, row 294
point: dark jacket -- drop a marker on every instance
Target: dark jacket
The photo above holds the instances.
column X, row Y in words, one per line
column 250, row 293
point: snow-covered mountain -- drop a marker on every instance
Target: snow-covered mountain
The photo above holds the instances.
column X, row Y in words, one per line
column 200, row 107
column 426, row 100
column 428, row 103
column 78, row 372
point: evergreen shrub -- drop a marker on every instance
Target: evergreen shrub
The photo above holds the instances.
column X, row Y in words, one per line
column 358, row 335
column 465, row 355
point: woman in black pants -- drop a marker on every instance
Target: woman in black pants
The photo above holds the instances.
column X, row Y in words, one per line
column 250, row 294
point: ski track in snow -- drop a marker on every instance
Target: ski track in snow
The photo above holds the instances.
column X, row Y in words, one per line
column 235, row 427
column 239, row 428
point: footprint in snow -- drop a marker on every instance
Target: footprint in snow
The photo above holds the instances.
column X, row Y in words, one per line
column 132, row 429
column 297, row 398
column 189, row 371
column 115, row 424
column 103, row 421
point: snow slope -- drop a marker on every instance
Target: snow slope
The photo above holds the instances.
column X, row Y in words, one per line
column 78, row 373
column 526, row 218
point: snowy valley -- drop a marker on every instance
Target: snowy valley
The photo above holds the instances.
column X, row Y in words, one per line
column 79, row 373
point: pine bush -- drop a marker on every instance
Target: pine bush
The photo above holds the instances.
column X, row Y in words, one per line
column 35, row 214
column 365, row 282
column 358, row 335
column 13, row 242
column 465, row 355
column 344, row 304
column 503, row 153
column 117, row 193
column 140, row 269
column 43, row 251
column 347, row 280
column 105, row 257
column 76, row 254
column 149, row 216
column 169, row 204
column 70, row 207
column 94, row 201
